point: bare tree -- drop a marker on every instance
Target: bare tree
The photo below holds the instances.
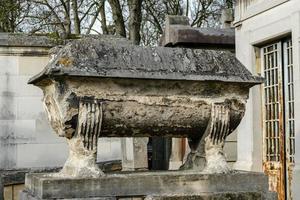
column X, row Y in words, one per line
column 103, row 18
column 135, row 19
column 142, row 21
column 202, row 13
column 118, row 17
column 12, row 14
column 65, row 17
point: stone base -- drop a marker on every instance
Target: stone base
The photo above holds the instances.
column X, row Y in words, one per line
column 25, row 195
column 165, row 185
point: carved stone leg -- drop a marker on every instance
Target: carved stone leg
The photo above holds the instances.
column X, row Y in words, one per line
column 196, row 158
column 83, row 145
column 207, row 153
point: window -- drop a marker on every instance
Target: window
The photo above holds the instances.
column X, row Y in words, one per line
column 278, row 115
column 289, row 100
column 272, row 74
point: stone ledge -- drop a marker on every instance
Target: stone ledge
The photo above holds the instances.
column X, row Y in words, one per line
column 220, row 196
column 215, row 196
column 27, row 40
column 17, row 176
column 159, row 184
column 49, row 41
column 24, row 195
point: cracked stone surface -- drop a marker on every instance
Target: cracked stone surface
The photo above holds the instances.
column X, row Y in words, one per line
column 95, row 58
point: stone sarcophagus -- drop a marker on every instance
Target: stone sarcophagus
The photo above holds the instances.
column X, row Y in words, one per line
column 99, row 89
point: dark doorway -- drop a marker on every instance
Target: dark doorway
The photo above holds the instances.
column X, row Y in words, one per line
column 159, row 152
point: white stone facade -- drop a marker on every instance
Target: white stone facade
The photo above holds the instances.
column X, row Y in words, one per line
column 26, row 138
column 259, row 23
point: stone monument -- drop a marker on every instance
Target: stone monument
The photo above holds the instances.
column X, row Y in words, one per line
column 97, row 89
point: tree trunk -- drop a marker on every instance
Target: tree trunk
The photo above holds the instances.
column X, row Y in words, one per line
column 118, row 17
column 135, row 19
column 67, row 22
column 93, row 21
column 103, row 18
column 76, row 17
column 187, row 8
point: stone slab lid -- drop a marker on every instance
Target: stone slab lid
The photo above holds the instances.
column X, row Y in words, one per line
column 188, row 36
column 94, row 58
column 179, row 33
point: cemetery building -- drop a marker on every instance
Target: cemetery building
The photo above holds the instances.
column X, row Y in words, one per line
column 268, row 139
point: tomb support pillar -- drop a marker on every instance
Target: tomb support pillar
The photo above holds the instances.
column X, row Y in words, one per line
column 134, row 153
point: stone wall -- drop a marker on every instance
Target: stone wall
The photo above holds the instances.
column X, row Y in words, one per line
column 26, row 139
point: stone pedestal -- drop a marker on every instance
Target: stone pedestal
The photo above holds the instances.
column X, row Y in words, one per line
column 150, row 185
column 134, row 153
column 176, row 155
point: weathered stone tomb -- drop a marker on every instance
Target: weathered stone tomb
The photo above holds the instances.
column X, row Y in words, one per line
column 102, row 89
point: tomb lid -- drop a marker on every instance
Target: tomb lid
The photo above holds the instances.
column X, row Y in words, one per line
column 94, row 58
column 180, row 35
